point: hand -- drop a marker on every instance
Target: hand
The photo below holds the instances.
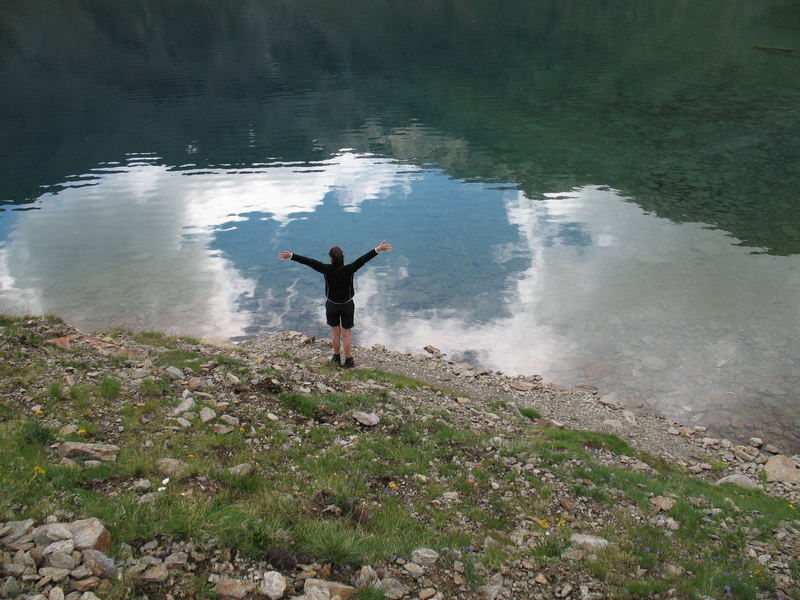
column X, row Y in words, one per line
column 285, row 254
column 383, row 247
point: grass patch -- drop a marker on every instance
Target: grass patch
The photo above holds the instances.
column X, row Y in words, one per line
column 530, row 413
column 109, row 387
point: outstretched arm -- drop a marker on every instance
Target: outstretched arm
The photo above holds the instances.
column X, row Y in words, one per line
column 361, row 260
column 310, row 262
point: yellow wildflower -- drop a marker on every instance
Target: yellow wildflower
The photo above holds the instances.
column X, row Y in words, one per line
column 38, row 470
column 561, row 523
column 791, row 506
column 190, row 455
column 39, row 412
column 393, row 486
column 544, row 523
column 81, row 432
column 241, row 428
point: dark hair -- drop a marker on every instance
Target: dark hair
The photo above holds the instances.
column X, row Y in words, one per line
column 337, row 256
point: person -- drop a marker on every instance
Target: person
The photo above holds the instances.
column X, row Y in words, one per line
column 339, row 292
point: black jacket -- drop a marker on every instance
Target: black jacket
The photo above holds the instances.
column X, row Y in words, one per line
column 338, row 281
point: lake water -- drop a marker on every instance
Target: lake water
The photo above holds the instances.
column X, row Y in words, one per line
column 601, row 194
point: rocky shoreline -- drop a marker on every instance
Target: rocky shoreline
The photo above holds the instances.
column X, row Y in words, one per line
column 205, row 469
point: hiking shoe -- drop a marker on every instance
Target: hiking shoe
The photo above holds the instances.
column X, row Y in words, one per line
column 349, row 363
column 337, row 360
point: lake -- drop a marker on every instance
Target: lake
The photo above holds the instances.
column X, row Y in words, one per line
column 602, row 194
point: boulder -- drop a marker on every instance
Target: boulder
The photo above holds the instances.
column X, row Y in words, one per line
column 105, row 452
column 782, row 468
column 172, row 467
column 334, row 588
column 743, row 481
column 90, row 533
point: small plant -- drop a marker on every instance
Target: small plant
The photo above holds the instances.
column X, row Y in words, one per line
column 34, row 433
column 369, row 592
column 110, row 387
column 530, row 413
column 55, row 390
column 154, row 387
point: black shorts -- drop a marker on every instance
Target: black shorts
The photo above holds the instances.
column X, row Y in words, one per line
column 340, row 314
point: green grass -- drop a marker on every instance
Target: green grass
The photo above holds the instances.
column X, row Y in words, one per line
column 109, row 387
column 530, row 413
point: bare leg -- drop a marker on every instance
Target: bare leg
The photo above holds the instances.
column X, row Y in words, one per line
column 335, row 339
column 348, row 343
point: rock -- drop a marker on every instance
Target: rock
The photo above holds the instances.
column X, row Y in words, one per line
column 368, row 419
column 82, row 572
column 273, row 585
column 11, row 588
column 207, row 414
column 573, row 554
column 174, row 373
column 99, row 564
column 84, row 585
column 426, row 594
column 522, row 386
column 172, row 467
column 60, row 560
column 176, row 560
column 541, row 579
column 230, row 420
column 90, row 533
column 334, row 588
column 662, row 503
column 490, row 592
column 674, row 570
column 755, row 442
column 512, row 406
column 414, row 569
column 665, row 522
column 233, row 588
column 14, row 530
column 186, row 405
column 742, row 481
column 55, row 594
column 195, row 383
column 590, row 542
column 52, row 532
column 424, row 556
column 88, row 596
column 241, row 470
column 772, row 449
column 232, row 379
column 105, row 452
column 66, row 546
column 367, row 577
column 392, row 588
column 782, row 468
column 565, row 591
column 155, row 574
column 220, row 429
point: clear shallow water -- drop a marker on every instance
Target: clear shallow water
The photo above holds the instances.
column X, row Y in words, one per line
column 600, row 196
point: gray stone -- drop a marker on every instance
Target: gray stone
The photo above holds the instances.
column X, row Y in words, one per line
column 65, row 546
column 186, row 405
column 392, row 588
column 334, row 588
column 90, row 533
column 56, row 594
column 52, row 532
column 273, row 585
column 220, row 429
column 177, row 560
column 104, row 452
column 743, row 481
column 230, row 420
column 172, row 467
column 368, row 419
column 424, row 556
column 207, row 414
column 174, row 373
column 14, row 530
column 54, row 573
column 590, row 542
column 81, row 572
column 89, row 596
column 60, row 560
column 99, row 564
column 241, row 470
column 11, row 588
column 185, row 423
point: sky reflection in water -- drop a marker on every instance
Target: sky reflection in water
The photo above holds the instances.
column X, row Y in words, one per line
column 581, row 287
